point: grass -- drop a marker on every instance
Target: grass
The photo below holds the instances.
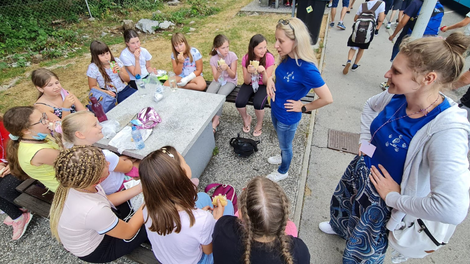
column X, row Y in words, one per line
column 239, row 28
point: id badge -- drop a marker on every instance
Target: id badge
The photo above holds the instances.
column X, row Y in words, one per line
column 367, row 148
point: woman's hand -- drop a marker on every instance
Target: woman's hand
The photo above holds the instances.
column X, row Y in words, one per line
column 384, row 184
column 293, row 106
column 261, row 69
column 271, row 89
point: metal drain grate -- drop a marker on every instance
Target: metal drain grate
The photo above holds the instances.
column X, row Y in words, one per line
column 343, row 141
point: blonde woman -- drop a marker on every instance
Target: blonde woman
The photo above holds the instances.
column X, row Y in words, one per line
column 296, row 75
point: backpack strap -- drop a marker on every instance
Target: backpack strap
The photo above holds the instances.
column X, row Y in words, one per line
column 364, row 7
column 376, row 6
column 210, row 186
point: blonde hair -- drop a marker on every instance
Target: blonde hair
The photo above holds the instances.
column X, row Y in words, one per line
column 77, row 167
column 177, row 39
column 71, row 124
column 443, row 56
column 297, row 31
column 264, row 212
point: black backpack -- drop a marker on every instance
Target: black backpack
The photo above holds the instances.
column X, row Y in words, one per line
column 244, row 147
column 364, row 27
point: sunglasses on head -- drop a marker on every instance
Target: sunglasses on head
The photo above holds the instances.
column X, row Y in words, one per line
column 285, row 23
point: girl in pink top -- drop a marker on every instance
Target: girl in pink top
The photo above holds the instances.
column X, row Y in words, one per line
column 254, row 82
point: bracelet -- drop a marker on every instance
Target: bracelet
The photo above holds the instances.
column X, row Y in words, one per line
column 66, row 109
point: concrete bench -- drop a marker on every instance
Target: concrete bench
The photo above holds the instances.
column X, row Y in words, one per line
column 37, row 199
column 233, row 96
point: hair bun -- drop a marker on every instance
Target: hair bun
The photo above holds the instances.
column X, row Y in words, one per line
column 458, row 42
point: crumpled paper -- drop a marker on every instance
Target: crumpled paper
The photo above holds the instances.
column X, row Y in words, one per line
column 123, row 139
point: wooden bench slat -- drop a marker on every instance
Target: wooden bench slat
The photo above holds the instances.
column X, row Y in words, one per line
column 143, row 255
column 25, row 184
column 40, row 193
column 33, row 204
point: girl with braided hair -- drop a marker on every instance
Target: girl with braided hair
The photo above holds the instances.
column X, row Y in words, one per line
column 83, row 218
column 31, row 150
column 258, row 236
column 179, row 221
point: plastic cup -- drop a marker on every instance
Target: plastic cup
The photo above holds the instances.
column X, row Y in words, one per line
column 172, row 81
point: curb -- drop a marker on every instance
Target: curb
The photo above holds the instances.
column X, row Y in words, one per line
column 305, row 163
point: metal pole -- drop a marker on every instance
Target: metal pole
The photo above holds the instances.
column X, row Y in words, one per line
column 293, row 8
column 86, row 1
column 423, row 19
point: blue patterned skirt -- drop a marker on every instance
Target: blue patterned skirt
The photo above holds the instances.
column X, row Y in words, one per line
column 359, row 215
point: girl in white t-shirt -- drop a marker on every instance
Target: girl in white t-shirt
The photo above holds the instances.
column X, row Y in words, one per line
column 135, row 58
column 82, row 216
column 179, row 220
column 83, row 128
column 105, row 72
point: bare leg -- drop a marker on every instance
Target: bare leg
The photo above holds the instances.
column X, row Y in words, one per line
column 198, row 84
column 246, row 119
column 359, row 56
column 259, row 122
column 343, row 12
column 351, row 54
column 333, row 14
column 215, row 122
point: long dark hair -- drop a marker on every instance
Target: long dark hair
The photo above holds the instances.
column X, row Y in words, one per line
column 130, row 33
column 255, row 41
column 219, row 40
column 97, row 48
column 165, row 185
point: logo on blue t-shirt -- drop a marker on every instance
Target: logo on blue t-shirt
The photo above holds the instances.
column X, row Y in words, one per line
column 288, row 76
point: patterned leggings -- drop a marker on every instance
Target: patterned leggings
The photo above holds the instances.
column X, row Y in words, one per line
column 359, row 215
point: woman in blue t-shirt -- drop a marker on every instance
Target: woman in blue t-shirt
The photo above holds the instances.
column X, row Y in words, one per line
column 413, row 156
column 296, row 75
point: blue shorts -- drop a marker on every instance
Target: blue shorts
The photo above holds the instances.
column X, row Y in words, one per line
column 334, row 4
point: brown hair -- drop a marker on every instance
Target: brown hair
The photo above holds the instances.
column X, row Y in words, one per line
column 77, row 167
column 178, row 38
column 443, row 56
column 264, row 212
column 129, row 34
column 165, row 185
column 255, row 41
column 41, row 78
column 219, row 40
column 97, row 48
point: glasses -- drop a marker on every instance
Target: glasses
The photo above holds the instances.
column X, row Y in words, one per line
column 285, row 23
column 43, row 120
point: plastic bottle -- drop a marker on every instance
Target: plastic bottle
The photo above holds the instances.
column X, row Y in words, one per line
column 140, row 83
column 158, row 93
column 137, row 137
column 97, row 108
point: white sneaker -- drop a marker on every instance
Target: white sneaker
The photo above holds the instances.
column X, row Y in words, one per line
column 275, row 160
column 275, row 176
column 325, row 227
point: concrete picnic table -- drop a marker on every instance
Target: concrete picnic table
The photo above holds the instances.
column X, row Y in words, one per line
column 186, row 123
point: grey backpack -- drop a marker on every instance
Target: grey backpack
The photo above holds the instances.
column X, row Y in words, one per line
column 364, row 27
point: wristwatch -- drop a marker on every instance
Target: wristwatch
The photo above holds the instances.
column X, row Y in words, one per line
column 304, row 109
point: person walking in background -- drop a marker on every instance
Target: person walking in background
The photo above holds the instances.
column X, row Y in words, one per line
column 296, row 75
column 224, row 70
column 334, row 5
column 378, row 8
column 412, row 160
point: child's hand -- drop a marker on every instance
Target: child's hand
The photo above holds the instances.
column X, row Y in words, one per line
column 251, row 69
column 4, row 170
column 180, row 57
column 218, row 211
column 68, row 101
column 137, row 53
column 116, row 68
column 261, row 69
column 224, row 67
column 110, row 93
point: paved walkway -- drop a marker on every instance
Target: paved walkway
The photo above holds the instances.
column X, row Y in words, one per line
column 326, row 165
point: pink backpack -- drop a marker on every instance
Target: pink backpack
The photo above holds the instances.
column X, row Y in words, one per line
column 226, row 190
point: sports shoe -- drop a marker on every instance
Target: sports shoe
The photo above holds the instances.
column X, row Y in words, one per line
column 332, row 24
column 384, row 86
column 341, row 26
column 8, row 221
column 325, row 227
column 329, row 5
column 388, row 26
column 275, row 176
column 354, row 67
column 20, row 225
column 346, row 67
column 275, row 160
column 376, row 32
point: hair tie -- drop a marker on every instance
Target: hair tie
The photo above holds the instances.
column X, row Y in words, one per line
column 164, row 150
column 13, row 137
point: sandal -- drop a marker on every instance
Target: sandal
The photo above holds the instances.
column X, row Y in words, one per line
column 258, row 132
column 247, row 128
